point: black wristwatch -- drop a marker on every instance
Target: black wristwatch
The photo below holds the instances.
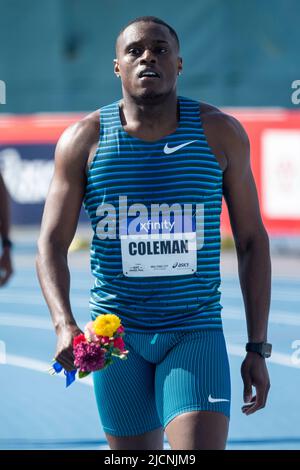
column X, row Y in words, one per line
column 6, row 242
column 263, row 349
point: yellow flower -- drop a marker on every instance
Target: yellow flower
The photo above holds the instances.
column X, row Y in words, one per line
column 106, row 325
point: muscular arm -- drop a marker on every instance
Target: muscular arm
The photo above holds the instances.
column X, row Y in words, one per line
column 251, row 239
column 252, row 245
column 58, row 227
column 5, row 260
column 230, row 144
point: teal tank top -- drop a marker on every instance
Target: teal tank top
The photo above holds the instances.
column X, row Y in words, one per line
column 155, row 212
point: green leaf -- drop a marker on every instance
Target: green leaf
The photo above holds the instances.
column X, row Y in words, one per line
column 82, row 374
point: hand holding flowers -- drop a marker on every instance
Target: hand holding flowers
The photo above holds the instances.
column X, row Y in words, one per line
column 94, row 350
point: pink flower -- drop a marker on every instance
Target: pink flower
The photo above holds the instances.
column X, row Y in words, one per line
column 90, row 334
column 89, row 357
column 119, row 343
column 120, row 329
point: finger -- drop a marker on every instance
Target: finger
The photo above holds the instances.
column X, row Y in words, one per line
column 247, row 389
column 70, row 361
column 65, row 360
column 249, row 405
column 62, row 362
column 259, row 403
column 253, row 409
column 67, row 353
column 69, row 364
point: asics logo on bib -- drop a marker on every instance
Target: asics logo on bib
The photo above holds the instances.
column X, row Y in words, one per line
column 168, row 150
column 180, row 265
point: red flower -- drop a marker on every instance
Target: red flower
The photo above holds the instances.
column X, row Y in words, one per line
column 78, row 339
column 104, row 339
column 119, row 343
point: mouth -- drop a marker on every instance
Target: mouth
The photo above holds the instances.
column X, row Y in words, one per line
column 148, row 73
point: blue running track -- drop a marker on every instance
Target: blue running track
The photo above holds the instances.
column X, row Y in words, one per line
column 37, row 412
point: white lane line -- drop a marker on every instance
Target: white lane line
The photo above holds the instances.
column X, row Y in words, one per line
column 277, row 317
column 233, row 350
column 78, row 288
column 35, row 298
column 293, row 280
column 278, row 294
column 39, row 366
column 26, row 321
column 20, row 284
column 276, row 358
column 33, row 295
column 29, row 321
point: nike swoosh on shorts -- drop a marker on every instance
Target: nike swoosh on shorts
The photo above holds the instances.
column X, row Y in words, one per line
column 216, row 400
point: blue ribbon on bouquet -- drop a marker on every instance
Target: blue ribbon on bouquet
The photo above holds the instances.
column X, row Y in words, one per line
column 70, row 374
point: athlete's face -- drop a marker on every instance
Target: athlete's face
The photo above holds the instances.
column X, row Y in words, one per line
column 147, row 60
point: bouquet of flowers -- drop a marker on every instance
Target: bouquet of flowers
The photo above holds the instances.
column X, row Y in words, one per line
column 94, row 350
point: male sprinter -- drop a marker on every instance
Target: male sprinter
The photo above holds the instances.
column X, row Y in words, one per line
column 154, row 150
column 5, row 257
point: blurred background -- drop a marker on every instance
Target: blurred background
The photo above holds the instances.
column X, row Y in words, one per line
column 56, row 64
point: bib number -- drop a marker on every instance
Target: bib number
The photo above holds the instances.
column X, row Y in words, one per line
column 160, row 252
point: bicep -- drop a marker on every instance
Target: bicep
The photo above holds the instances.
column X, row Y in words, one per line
column 65, row 195
column 61, row 211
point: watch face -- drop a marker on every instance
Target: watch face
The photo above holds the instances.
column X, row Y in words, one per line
column 267, row 349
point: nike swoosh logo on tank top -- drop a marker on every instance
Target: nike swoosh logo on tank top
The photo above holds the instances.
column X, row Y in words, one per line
column 169, row 150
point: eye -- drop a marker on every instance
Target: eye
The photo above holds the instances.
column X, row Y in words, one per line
column 134, row 51
column 161, row 50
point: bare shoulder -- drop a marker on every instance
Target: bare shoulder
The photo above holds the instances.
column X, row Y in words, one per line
column 225, row 131
column 77, row 140
column 216, row 116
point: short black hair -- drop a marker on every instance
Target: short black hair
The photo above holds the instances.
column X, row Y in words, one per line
column 151, row 19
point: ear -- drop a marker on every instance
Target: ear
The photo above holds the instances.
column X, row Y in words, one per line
column 179, row 65
column 116, row 67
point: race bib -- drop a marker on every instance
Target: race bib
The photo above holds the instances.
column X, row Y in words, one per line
column 161, row 247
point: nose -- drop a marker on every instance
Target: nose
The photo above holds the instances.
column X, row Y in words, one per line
column 148, row 56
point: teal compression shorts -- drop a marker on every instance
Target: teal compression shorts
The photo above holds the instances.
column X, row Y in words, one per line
column 166, row 374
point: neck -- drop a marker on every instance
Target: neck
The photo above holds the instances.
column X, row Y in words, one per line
column 149, row 119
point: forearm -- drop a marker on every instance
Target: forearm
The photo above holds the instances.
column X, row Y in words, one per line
column 255, row 279
column 54, row 277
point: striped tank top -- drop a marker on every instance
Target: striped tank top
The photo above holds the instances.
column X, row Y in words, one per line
column 158, row 271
